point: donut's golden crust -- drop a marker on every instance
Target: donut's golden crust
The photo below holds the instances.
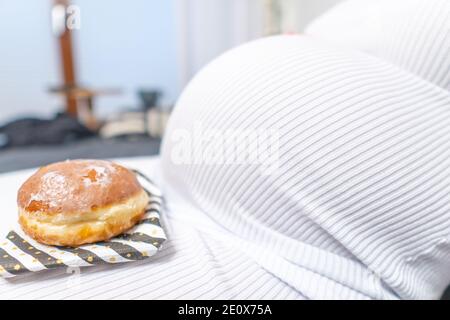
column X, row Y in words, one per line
column 82, row 201
column 99, row 225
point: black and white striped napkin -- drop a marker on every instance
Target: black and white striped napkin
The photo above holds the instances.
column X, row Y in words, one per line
column 20, row 254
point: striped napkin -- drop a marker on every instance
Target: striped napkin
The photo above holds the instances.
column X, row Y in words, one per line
column 20, row 254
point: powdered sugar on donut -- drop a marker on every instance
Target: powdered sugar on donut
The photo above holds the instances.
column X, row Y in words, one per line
column 98, row 174
column 77, row 186
column 54, row 187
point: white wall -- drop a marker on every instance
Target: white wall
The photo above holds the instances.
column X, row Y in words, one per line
column 298, row 13
column 28, row 59
column 125, row 44
column 128, row 44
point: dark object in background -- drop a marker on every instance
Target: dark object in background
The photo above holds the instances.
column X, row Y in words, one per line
column 150, row 98
column 32, row 131
column 12, row 159
column 446, row 295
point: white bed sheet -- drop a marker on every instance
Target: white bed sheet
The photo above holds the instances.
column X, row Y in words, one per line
column 198, row 261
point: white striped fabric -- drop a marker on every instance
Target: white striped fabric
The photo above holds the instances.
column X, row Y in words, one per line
column 358, row 205
column 412, row 34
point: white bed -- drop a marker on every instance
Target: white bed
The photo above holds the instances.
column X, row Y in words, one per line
column 196, row 261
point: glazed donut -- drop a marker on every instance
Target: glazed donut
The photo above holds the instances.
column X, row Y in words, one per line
column 77, row 202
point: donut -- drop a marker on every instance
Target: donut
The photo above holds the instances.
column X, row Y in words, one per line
column 78, row 202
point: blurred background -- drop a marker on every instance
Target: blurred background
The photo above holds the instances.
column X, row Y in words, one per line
column 98, row 79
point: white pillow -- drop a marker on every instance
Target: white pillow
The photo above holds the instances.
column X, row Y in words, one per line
column 413, row 34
